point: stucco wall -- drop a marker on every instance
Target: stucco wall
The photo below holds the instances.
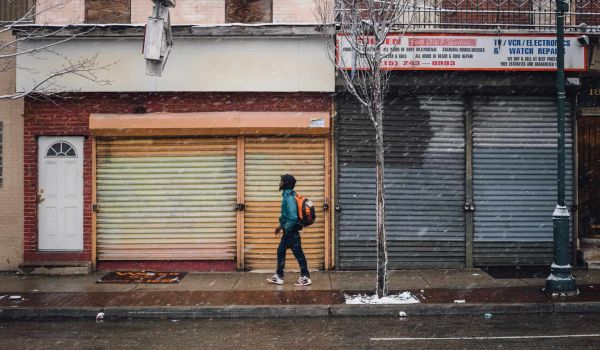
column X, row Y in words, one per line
column 186, row 11
column 288, row 64
column 11, row 191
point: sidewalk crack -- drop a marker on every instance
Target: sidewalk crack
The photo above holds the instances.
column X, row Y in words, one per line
column 424, row 279
column 239, row 276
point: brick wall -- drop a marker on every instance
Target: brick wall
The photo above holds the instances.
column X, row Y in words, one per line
column 60, row 11
column 294, row 11
column 186, row 11
column 69, row 117
column 213, row 11
column 11, row 190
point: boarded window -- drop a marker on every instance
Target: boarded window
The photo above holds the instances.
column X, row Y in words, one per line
column 248, row 11
column 108, row 11
column 12, row 10
column 1, row 173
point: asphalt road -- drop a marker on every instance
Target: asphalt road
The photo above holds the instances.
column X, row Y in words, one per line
column 464, row 332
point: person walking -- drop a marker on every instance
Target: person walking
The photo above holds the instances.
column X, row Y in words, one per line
column 289, row 223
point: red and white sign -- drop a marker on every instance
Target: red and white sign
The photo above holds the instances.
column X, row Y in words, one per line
column 468, row 52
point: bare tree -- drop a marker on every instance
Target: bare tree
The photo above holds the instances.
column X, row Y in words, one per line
column 362, row 26
column 45, row 85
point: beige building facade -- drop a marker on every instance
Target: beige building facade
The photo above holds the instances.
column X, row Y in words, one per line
column 11, row 175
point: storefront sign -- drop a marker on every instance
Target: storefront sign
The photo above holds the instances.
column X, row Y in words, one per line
column 468, row 52
column 589, row 95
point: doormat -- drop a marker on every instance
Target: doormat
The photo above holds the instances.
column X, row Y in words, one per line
column 505, row 272
column 142, row 277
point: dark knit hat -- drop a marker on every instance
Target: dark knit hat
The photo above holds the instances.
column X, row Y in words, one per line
column 288, row 181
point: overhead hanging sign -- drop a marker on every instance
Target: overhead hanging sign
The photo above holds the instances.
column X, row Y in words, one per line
column 467, row 52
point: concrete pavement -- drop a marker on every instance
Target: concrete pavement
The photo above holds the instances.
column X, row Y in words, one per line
column 248, row 294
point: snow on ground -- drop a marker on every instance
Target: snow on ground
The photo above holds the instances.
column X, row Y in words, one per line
column 402, row 298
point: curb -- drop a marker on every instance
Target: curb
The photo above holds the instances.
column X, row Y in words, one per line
column 278, row 311
column 439, row 309
column 581, row 307
column 232, row 311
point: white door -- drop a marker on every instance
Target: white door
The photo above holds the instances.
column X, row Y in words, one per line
column 60, row 193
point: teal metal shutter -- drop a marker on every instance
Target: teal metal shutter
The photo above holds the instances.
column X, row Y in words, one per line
column 514, row 178
column 167, row 199
column 424, row 179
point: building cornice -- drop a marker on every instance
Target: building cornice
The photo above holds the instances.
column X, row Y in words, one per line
column 189, row 30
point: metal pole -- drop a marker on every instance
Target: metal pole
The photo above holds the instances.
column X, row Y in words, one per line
column 561, row 280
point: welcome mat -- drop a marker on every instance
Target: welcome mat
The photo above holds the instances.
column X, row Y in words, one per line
column 505, row 272
column 142, row 277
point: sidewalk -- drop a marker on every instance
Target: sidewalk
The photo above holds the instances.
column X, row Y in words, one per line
column 243, row 294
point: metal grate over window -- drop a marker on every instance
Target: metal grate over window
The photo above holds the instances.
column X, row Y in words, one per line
column 61, row 149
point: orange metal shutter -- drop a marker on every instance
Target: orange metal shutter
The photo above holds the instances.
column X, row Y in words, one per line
column 265, row 160
column 166, row 199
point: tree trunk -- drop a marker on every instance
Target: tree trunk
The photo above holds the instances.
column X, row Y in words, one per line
column 377, row 110
column 380, row 210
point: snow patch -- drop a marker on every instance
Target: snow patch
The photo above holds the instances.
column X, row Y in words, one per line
column 553, row 277
column 561, row 211
column 564, row 267
column 402, row 298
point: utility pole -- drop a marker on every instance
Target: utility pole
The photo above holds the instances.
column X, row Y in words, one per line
column 561, row 279
column 158, row 38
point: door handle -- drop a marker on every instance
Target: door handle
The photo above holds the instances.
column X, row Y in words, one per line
column 240, row 207
column 469, row 207
column 40, row 196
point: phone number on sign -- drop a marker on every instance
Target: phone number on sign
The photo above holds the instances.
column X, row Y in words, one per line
column 390, row 63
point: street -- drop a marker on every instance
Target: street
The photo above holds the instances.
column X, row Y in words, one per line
column 564, row 331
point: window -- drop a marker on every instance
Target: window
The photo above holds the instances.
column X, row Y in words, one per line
column 588, row 12
column 1, row 176
column 61, row 149
column 248, row 11
column 487, row 11
column 108, row 11
column 12, row 10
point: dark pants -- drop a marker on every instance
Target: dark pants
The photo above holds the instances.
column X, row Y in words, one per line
column 291, row 241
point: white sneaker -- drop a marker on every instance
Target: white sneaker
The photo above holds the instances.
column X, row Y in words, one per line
column 275, row 279
column 303, row 281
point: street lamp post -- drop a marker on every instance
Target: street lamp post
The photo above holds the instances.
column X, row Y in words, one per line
column 561, row 280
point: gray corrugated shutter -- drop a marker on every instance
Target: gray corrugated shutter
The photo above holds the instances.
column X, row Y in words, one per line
column 424, row 176
column 514, row 170
column 167, row 199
